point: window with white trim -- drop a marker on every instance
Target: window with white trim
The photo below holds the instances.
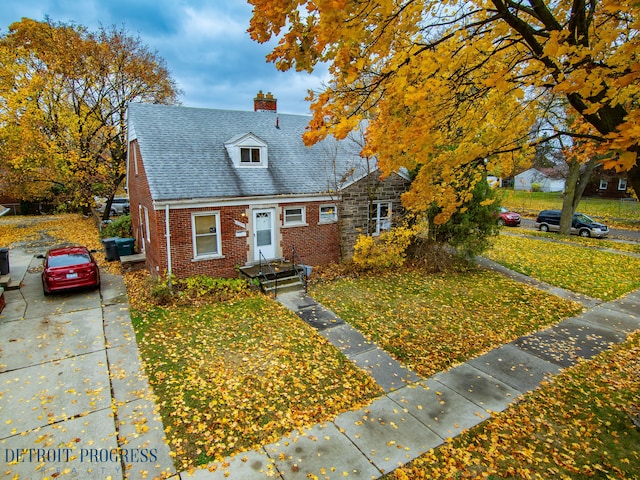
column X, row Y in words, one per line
column 295, row 216
column 622, row 184
column 603, row 184
column 249, row 155
column 146, row 224
column 328, row 213
column 133, row 157
column 247, row 151
column 206, row 234
column 382, row 216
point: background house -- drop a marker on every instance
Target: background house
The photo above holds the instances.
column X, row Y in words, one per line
column 607, row 183
column 543, row 180
column 213, row 190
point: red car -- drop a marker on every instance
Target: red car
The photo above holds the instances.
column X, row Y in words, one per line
column 67, row 268
column 505, row 217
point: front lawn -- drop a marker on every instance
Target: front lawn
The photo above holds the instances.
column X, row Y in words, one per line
column 431, row 322
column 232, row 376
column 576, row 427
column 602, row 275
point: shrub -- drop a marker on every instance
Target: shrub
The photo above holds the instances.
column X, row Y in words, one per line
column 201, row 288
column 121, row 227
column 470, row 228
column 385, row 251
column 160, row 290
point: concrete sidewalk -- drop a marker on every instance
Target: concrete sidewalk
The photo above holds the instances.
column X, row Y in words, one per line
column 417, row 414
column 74, row 400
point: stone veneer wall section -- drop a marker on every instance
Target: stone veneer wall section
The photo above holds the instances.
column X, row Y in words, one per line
column 354, row 214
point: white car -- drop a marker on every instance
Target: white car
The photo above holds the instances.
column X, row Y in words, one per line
column 119, row 206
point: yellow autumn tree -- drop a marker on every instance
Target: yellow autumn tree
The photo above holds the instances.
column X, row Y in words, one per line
column 63, row 98
column 457, row 84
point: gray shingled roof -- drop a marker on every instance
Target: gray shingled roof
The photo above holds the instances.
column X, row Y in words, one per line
column 184, row 155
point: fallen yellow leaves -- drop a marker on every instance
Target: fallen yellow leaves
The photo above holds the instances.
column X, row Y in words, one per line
column 598, row 274
column 575, row 427
column 66, row 228
column 430, row 322
column 235, row 375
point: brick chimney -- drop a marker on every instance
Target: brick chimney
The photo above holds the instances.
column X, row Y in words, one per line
column 264, row 103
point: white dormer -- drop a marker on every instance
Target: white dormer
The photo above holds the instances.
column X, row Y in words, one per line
column 247, row 150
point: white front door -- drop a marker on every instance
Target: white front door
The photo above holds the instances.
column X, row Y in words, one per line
column 264, row 234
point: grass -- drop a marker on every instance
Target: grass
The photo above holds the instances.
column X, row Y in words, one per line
column 576, row 427
column 602, row 275
column 431, row 322
column 595, row 243
column 238, row 374
column 613, row 212
column 232, row 376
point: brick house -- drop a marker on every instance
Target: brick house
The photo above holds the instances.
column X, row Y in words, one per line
column 607, row 183
column 214, row 190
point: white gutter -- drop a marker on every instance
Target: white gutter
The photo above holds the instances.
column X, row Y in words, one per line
column 237, row 201
column 168, row 236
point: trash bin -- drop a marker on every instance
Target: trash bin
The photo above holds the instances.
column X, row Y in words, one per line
column 111, row 248
column 4, row 261
column 125, row 246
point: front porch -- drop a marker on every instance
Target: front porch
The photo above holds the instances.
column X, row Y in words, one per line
column 277, row 276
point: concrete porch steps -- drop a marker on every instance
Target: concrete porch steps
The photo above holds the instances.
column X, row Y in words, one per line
column 7, row 283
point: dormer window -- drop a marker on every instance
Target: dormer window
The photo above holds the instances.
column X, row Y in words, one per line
column 249, row 155
column 247, row 150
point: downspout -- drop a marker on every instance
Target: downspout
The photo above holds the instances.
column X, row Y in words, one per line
column 168, row 236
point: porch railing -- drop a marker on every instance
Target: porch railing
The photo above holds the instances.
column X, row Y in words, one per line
column 270, row 269
column 299, row 267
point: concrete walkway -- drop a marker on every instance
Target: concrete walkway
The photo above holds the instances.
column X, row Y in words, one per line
column 417, row 414
column 74, row 400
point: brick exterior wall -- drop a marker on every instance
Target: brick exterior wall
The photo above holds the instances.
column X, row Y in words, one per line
column 140, row 196
column 317, row 243
column 357, row 200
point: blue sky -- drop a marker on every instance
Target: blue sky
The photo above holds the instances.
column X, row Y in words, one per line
column 204, row 43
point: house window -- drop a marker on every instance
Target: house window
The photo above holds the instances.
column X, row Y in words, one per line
column 247, row 150
column 249, row 156
column 206, row 234
column 146, row 224
column 294, row 216
column 603, row 184
column 328, row 213
column 622, row 184
column 382, row 218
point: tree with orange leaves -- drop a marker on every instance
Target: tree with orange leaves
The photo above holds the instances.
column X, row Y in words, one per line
column 459, row 84
column 63, row 98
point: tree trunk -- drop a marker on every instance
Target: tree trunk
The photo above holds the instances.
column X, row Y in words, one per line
column 568, row 198
column 575, row 184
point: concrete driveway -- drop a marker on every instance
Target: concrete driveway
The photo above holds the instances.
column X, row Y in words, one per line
column 74, row 400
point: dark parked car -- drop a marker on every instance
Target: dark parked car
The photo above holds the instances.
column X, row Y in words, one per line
column 511, row 219
column 68, row 268
column 581, row 224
